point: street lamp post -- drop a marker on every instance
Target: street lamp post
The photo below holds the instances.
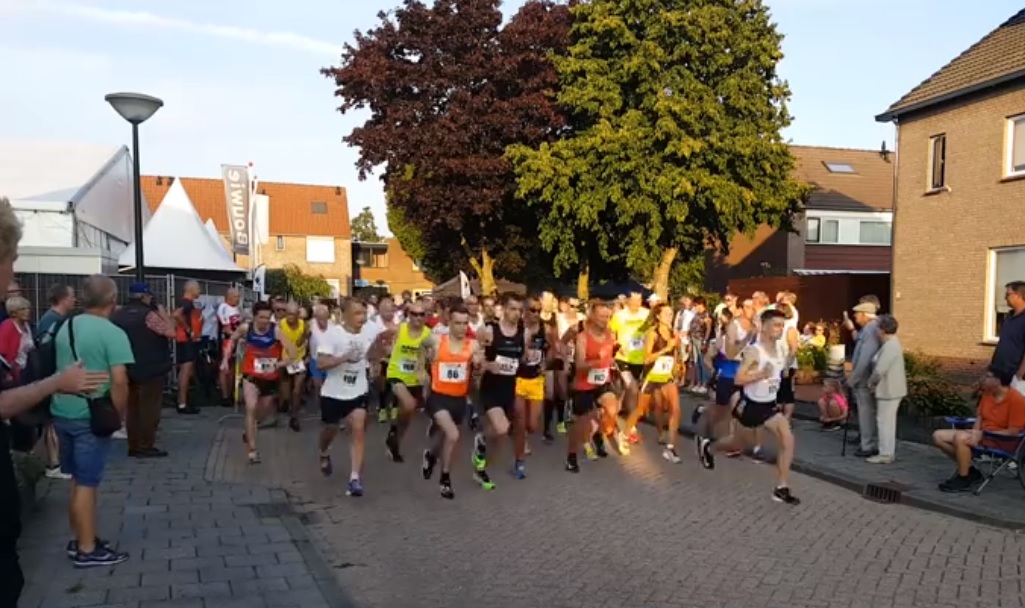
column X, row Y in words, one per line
column 136, row 108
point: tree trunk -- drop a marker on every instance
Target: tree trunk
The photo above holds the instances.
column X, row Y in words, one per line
column 584, row 283
column 661, row 286
column 485, row 270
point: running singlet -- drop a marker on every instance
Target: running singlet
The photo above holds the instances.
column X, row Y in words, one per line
column 261, row 355
column 595, row 350
column 534, row 359
column 661, row 371
column 404, row 354
column 507, row 352
column 450, row 372
column 728, row 367
column 764, row 391
column 294, row 334
column 626, row 325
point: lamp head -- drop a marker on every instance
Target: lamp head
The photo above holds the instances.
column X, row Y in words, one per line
column 136, row 108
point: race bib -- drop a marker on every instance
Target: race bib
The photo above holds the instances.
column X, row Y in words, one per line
column 454, row 373
column 774, row 384
column 507, row 366
column 265, row 366
column 350, row 378
column 407, row 366
column 663, row 365
column 296, row 367
column 534, row 357
column 636, row 343
column 598, row 376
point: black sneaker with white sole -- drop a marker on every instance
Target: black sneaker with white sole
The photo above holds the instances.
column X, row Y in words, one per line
column 72, row 548
column 445, row 487
column 705, row 453
column 100, row 556
column 782, row 494
column 429, row 463
column 392, row 444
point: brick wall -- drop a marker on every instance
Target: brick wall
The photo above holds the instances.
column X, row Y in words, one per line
column 294, row 252
column 942, row 240
column 399, row 272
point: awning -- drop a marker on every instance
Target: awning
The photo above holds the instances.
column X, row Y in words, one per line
column 805, row 272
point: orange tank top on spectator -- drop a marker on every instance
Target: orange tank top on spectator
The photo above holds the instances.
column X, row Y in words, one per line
column 596, row 350
column 262, row 353
column 193, row 318
column 450, row 372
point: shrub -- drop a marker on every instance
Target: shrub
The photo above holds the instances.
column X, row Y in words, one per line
column 930, row 393
column 811, row 357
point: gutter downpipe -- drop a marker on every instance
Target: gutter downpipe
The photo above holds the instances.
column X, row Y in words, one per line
column 893, row 221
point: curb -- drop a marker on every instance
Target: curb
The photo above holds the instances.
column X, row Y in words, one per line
column 859, row 486
column 323, row 577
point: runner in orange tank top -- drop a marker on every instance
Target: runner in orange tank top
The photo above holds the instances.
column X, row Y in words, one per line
column 457, row 360
column 595, row 346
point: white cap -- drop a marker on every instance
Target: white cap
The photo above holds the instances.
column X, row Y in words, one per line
column 654, row 299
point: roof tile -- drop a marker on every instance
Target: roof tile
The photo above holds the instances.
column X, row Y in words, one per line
column 999, row 54
column 869, row 188
column 291, row 205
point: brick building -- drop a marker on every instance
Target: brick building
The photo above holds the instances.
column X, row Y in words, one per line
column 959, row 233
column 386, row 264
column 308, row 225
column 845, row 229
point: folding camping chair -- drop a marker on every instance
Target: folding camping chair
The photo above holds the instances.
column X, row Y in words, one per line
column 993, row 459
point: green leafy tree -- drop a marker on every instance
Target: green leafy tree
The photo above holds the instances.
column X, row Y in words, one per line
column 291, row 282
column 677, row 111
column 364, row 227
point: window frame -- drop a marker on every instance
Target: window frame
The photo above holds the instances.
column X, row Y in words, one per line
column 822, row 223
column 990, row 331
column 279, row 243
column 318, row 207
column 932, row 184
column 321, row 240
column 1009, row 168
column 889, row 240
column 808, row 230
column 839, row 167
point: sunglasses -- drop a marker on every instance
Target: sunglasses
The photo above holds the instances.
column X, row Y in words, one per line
column 414, row 314
column 535, row 310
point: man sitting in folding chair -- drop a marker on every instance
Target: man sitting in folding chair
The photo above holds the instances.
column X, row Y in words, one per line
column 996, row 431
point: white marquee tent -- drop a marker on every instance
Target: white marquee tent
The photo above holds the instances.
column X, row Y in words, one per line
column 176, row 237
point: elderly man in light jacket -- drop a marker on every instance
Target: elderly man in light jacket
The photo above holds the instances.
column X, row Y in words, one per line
column 890, row 383
column 861, row 371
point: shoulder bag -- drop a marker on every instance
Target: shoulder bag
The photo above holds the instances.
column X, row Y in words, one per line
column 104, row 419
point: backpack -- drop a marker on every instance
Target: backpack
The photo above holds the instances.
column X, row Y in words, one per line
column 41, row 364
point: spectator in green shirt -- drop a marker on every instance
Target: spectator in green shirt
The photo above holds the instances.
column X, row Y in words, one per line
column 102, row 347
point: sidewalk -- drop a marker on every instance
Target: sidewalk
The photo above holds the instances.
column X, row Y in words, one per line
column 915, row 475
column 193, row 543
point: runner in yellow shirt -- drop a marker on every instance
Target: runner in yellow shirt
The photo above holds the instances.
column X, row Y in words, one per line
column 628, row 326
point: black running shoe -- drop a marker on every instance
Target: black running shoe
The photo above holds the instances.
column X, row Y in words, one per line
column 782, row 494
column 428, row 464
column 695, row 416
column 446, row 488
column 293, row 423
column 572, row 465
column 548, row 438
column 705, row 453
column 392, row 443
column 474, row 422
column 599, row 447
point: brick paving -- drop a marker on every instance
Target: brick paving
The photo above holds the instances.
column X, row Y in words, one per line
column 193, row 543
column 632, row 531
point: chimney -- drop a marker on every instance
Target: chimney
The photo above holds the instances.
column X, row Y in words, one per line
column 884, row 152
column 338, row 190
column 170, row 180
column 160, row 181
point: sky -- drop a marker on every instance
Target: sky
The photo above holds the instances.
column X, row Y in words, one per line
column 241, row 82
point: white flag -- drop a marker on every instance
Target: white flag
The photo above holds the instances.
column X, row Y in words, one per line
column 260, row 282
column 464, row 285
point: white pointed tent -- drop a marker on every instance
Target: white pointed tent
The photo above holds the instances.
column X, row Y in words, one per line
column 175, row 237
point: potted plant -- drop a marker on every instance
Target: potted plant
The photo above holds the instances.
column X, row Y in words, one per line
column 806, row 365
column 836, row 353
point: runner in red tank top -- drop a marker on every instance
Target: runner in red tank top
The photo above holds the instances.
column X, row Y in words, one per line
column 595, row 346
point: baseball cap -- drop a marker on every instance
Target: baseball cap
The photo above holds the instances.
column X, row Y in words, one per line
column 866, row 307
column 139, row 288
column 654, row 299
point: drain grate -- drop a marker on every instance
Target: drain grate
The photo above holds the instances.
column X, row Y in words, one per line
column 889, row 492
column 272, row 509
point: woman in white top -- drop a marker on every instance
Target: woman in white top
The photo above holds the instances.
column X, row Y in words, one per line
column 791, row 343
column 761, row 370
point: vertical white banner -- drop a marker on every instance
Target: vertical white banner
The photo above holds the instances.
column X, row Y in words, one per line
column 464, row 285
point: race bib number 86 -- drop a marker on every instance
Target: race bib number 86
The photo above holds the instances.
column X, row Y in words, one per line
column 452, row 372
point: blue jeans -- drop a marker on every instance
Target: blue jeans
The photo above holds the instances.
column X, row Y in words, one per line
column 82, row 454
column 697, row 360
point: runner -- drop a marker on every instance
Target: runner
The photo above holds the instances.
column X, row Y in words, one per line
column 504, row 347
column 736, row 335
column 386, row 321
column 626, row 325
column 295, row 374
column 263, row 344
column 229, row 318
column 456, row 357
column 403, row 376
column 530, row 380
column 659, row 360
column 759, row 374
column 343, row 352
column 592, row 384
column 320, row 324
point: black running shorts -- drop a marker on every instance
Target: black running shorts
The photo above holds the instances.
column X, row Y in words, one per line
column 455, row 406
column 753, row 414
column 333, row 411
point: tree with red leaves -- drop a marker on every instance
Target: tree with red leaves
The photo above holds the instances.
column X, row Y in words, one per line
column 449, row 89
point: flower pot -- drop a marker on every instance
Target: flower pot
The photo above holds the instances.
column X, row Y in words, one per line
column 806, row 376
column 836, row 356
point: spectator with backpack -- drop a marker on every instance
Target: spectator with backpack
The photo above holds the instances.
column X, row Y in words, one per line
column 34, row 392
column 62, row 302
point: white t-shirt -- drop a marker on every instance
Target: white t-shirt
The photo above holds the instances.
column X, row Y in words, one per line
column 370, row 331
column 209, row 314
column 228, row 316
column 316, row 332
column 348, row 380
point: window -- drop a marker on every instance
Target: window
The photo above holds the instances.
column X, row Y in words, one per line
column 839, row 167
column 279, row 243
column 336, row 287
column 371, row 258
column 937, row 162
column 874, row 233
column 1006, row 265
column 1016, row 146
column 320, row 249
column 811, row 233
column 829, row 231
column 319, row 208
